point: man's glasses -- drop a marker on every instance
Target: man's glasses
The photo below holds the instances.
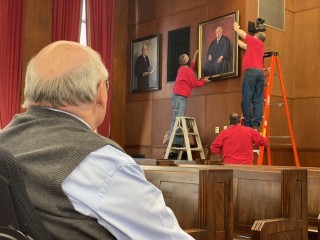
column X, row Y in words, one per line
column 107, row 83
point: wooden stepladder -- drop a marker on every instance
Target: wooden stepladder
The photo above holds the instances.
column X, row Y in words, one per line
column 185, row 127
column 275, row 69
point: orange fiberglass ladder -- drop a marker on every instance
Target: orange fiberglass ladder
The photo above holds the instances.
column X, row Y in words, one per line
column 275, row 65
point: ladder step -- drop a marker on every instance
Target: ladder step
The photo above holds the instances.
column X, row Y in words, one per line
column 189, row 133
column 276, row 104
column 280, row 137
column 197, row 149
column 184, row 148
column 280, row 144
column 178, row 148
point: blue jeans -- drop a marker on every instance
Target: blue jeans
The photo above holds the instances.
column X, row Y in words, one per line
column 252, row 97
column 179, row 104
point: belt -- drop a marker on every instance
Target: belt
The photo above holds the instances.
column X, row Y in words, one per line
column 248, row 69
column 180, row 95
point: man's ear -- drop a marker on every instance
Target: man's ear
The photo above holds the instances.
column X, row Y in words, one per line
column 102, row 94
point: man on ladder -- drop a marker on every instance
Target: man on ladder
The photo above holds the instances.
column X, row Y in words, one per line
column 253, row 86
column 253, row 82
column 185, row 82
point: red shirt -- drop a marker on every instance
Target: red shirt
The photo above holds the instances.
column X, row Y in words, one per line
column 186, row 80
column 253, row 56
column 236, row 144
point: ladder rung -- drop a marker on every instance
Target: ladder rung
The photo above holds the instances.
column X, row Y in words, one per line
column 276, row 104
column 178, row 148
column 269, row 54
column 280, row 144
column 280, row 137
column 189, row 133
column 196, row 149
column 188, row 118
column 184, row 148
column 194, row 134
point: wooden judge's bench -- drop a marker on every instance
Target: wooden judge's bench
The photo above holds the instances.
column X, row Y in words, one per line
column 237, row 201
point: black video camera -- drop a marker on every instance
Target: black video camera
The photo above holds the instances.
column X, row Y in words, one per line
column 256, row 27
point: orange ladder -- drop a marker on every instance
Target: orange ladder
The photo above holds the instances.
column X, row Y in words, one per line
column 274, row 69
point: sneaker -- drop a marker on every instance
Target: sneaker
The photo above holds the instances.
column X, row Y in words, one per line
column 166, row 138
column 255, row 126
column 173, row 156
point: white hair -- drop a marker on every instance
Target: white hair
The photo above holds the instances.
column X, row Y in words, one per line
column 72, row 88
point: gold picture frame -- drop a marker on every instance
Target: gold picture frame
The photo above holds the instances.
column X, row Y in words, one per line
column 218, row 48
column 145, row 71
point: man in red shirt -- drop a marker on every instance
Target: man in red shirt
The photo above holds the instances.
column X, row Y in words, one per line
column 235, row 143
column 185, row 82
column 253, row 82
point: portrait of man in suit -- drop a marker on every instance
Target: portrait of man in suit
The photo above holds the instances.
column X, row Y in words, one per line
column 145, row 64
column 218, row 51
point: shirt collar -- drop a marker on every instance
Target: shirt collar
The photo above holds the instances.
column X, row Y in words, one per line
column 58, row 110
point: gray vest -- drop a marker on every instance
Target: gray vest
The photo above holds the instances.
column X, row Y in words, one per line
column 48, row 146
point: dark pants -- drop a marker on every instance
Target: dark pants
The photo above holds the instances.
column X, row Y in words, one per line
column 252, row 97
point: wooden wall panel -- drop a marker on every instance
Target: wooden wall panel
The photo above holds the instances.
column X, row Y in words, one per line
column 277, row 41
column 140, row 11
column 218, row 108
column 290, row 5
column 161, row 119
column 306, row 54
column 119, row 73
column 306, row 121
column 169, row 7
column 138, row 123
column 304, row 5
column 37, row 31
column 278, row 124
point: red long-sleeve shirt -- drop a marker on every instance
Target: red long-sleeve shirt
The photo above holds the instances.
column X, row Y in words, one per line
column 186, row 80
column 236, row 144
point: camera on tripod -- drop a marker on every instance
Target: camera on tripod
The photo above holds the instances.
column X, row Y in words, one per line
column 256, row 27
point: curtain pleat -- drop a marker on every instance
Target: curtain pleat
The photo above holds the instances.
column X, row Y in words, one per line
column 11, row 32
column 100, row 28
column 66, row 20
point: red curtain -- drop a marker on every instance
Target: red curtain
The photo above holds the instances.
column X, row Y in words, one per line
column 100, row 29
column 11, row 30
column 66, row 20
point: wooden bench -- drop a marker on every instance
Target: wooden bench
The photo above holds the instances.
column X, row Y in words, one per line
column 201, row 199
column 269, row 203
column 313, row 200
column 313, row 203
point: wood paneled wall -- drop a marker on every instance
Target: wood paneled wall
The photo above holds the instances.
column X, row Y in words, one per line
column 148, row 114
column 140, row 120
column 37, row 31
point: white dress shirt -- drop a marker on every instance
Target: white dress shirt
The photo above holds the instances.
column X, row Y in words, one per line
column 108, row 185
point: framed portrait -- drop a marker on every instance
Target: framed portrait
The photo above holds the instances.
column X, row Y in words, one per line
column 145, row 60
column 218, row 48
